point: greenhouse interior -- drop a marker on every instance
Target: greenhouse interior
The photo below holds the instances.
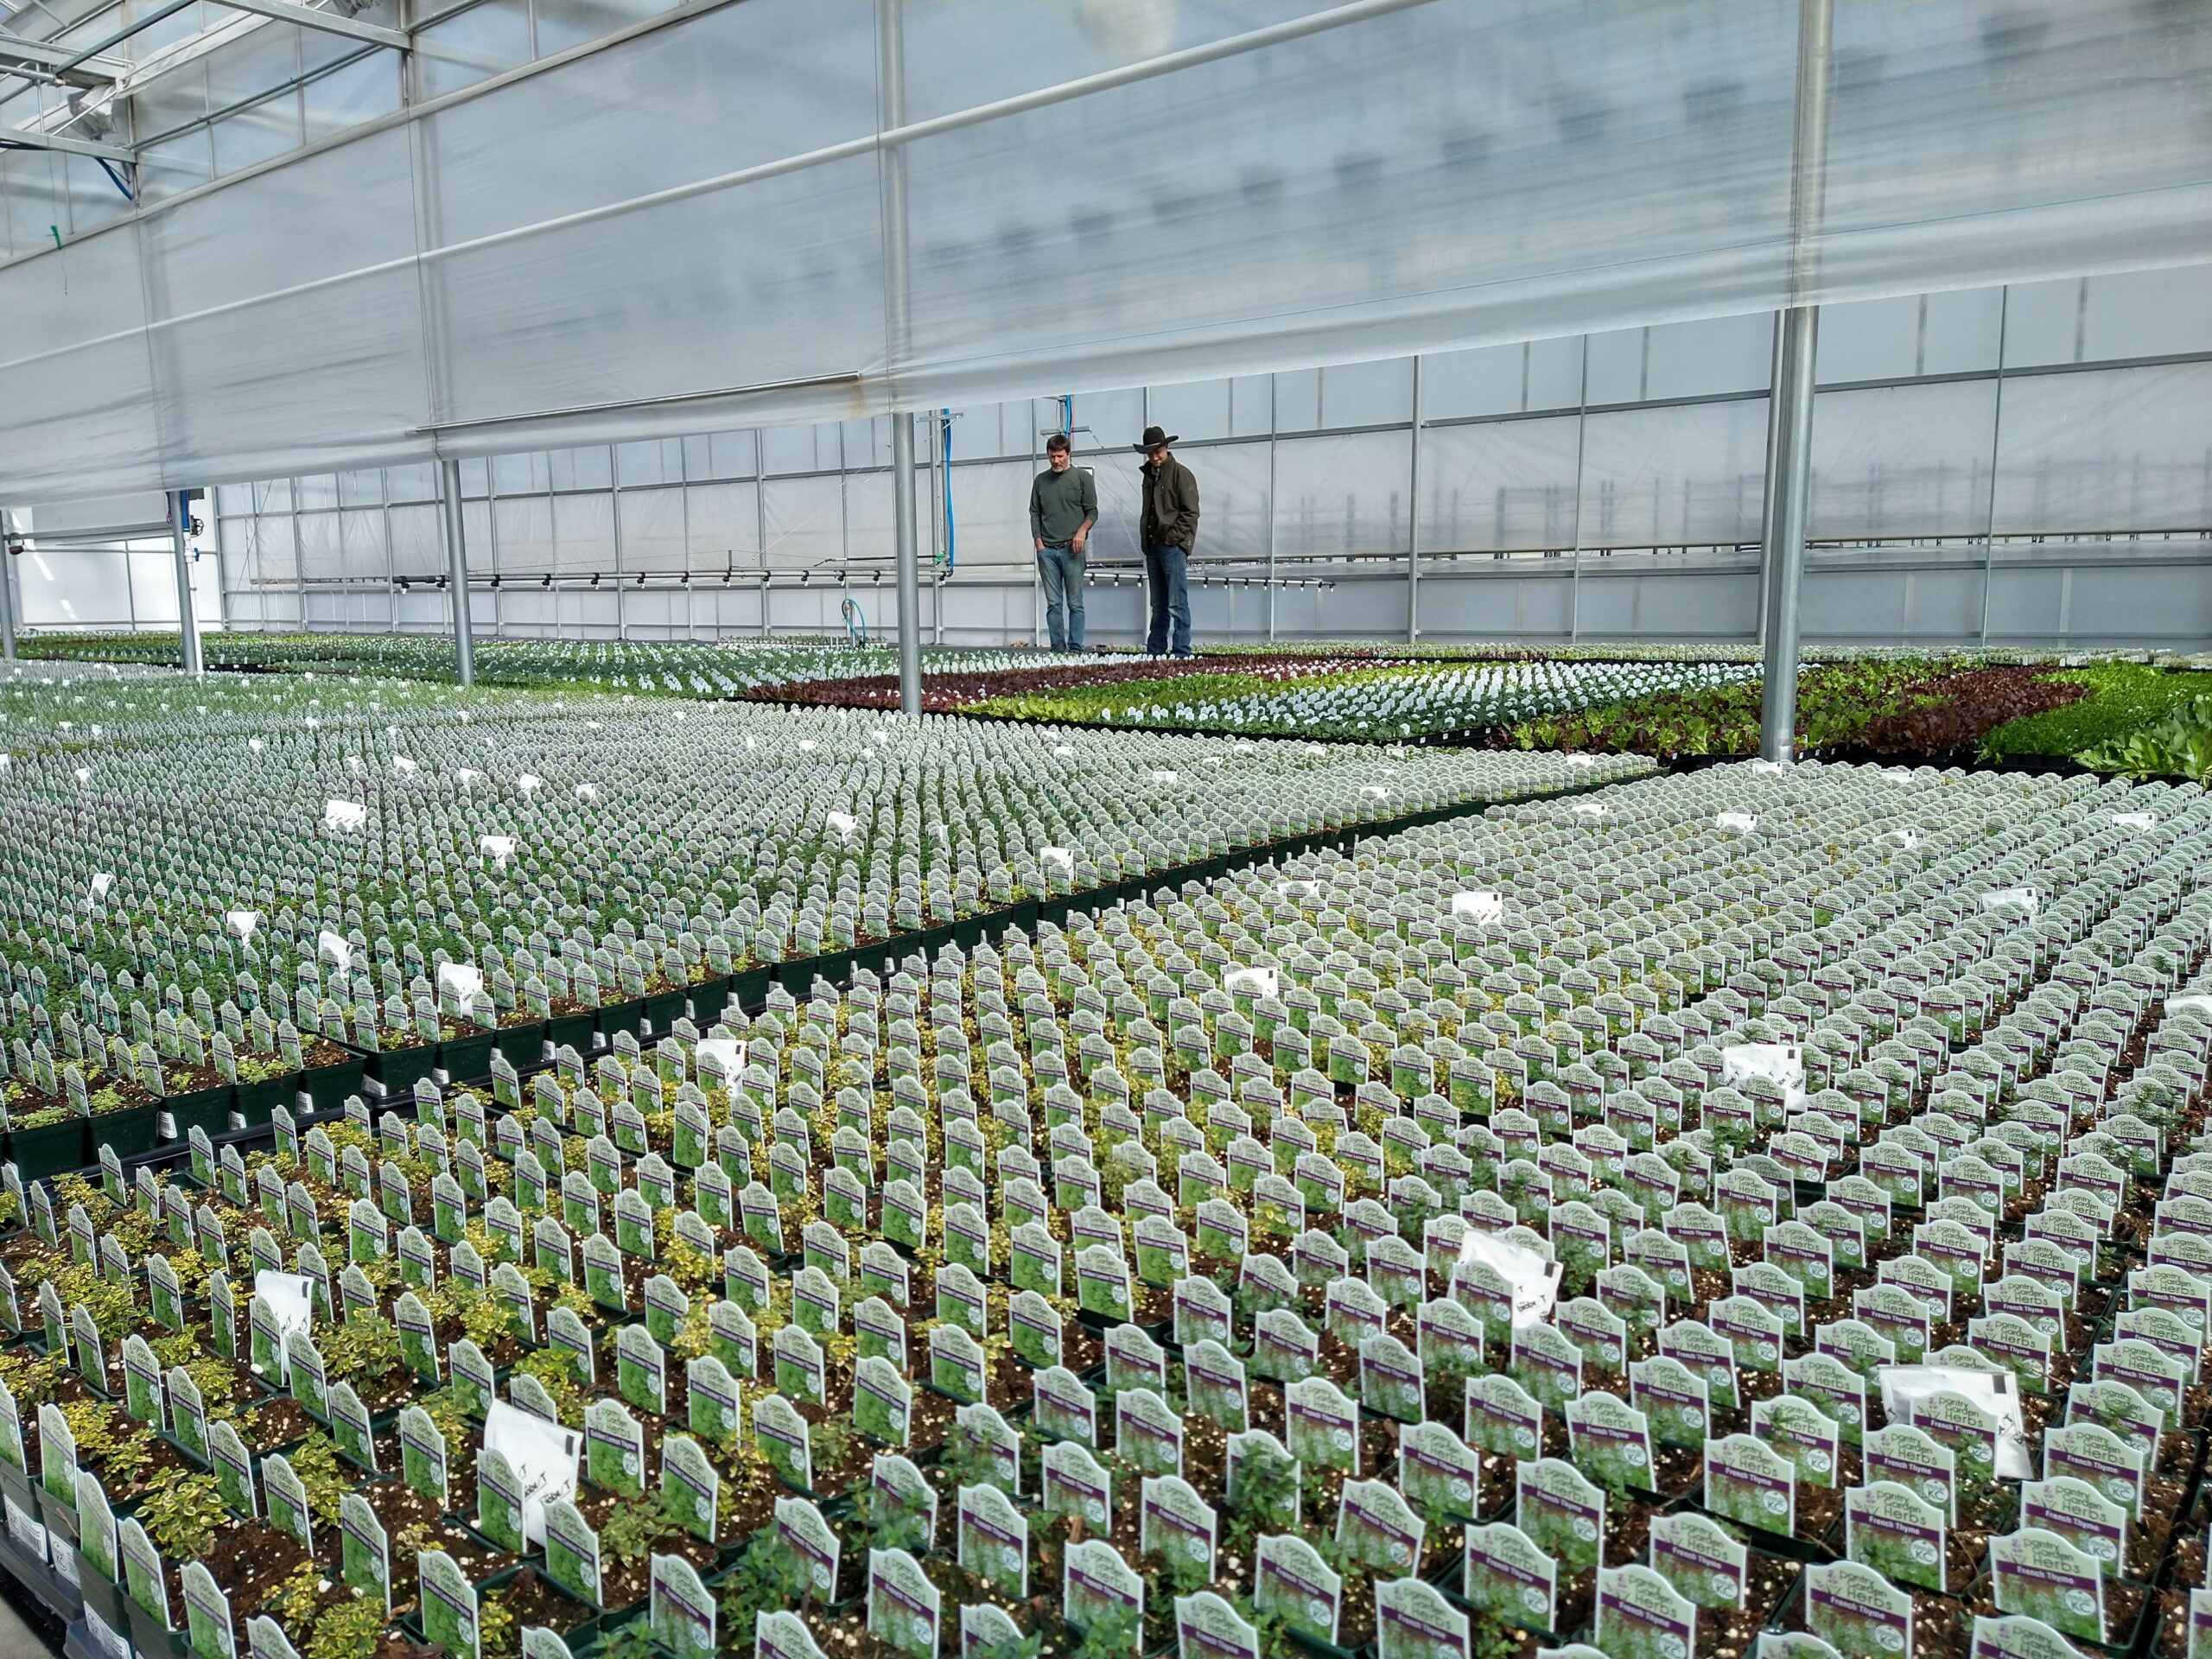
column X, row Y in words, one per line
column 1538, row 985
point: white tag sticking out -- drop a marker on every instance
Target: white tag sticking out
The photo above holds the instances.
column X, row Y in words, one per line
column 1478, row 906
column 1589, row 810
column 403, row 766
column 1258, row 982
column 102, row 882
column 844, row 823
column 290, row 1297
column 529, row 785
column 242, row 922
column 2026, row 900
column 1582, row 759
column 725, row 1055
column 333, row 948
column 344, row 815
column 498, row 849
column 461, row 980
column 1995, row 1392
column 587, row 791
column 1782, row 1062
column 1742, row 822
column 84, row 774
column 1373, row 791
column 468, row 776
column 2136, row 820
column 1533, row 1280
column 1161, row 775
column 1066, row 750
column 1907, row 839
column 1062, row 856
column 543, row 1456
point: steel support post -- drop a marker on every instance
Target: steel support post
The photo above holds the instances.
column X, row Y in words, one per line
column 1790, row 404
column 910, row 575
column 1413, row 540
column 464, row 641
column 7, row 595
column 188, row 621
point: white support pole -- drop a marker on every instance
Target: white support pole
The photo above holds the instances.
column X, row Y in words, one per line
column 890, row 112
column 1412, row 529
column 188, row 621
column 7, row 595
column 1790, row 411
column 464, row 640
column 909, row 575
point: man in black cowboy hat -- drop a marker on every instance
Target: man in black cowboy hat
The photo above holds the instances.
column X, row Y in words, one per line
column 1166, row 530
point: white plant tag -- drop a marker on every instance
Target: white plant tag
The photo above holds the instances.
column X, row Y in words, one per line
column 459, row 981
column 2201, row 1004
column 844, row 823
column 290, row 1297
column 1066, row 750
column 1062, row 856
column 1764, row 766
column 529, row 784
column 1161, row 775
column 468, row 776
column 727, row 1052
column 334, row 948
column 1589, row 810
column 2025, row 900
column 1480, row 906
column 1995, row 1392
column 1907, row 839
column 1582, row 759
column 102, row 882
column 1742, row 822
column 242, row 922
column 403, row 766
column 344, row 815
column 498, row 849
column 587, row 791
column 1259, row 982
column 1782, row 1062
column 1534, row 1282
column 1373, row 791
column 543, row 1456
column 2136, row 820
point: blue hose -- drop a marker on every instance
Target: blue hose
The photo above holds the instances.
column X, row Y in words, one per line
column 855, row 620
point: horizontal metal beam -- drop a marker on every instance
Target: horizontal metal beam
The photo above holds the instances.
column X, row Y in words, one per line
column 290, row 11
column 24, row 138
column 16, row 52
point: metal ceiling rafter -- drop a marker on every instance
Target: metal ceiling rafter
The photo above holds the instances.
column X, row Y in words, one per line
column 42, row 58
column 23, row 137
column 330, row 22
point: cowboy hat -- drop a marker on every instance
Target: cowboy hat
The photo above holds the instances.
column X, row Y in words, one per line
column 1154, row 437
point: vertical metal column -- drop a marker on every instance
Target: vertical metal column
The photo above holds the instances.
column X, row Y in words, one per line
column 187, row 620
column 890, row 112
column 1412, row 525
column 7, row 595
column 464, row 640
column 1996, row 432
column 910, row 576
column 1785, row 538
column 1273, row 412
column 1791, row 405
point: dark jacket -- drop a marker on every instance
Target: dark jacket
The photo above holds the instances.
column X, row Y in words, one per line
column 1170, row 505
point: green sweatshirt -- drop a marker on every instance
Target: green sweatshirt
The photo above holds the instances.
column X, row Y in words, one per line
column 1060, row 503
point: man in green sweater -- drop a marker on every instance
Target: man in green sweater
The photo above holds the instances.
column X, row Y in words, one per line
column 1063, row 506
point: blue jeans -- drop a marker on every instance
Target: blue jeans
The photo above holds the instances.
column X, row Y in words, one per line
column 1167, row 570
column 1061, row 570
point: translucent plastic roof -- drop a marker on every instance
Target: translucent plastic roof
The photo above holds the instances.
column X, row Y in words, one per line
column 693, row 226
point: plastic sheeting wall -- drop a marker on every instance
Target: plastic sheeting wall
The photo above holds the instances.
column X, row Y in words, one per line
column 553, row 255
column 2100, row 427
